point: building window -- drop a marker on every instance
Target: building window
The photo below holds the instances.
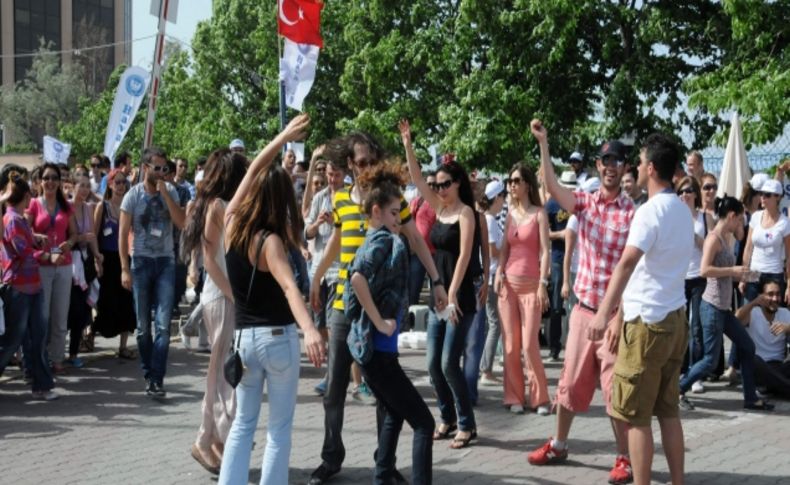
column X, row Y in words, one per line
column 34, row 21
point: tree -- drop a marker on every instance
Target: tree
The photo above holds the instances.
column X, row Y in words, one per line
column 754, row 75
column 49, row 94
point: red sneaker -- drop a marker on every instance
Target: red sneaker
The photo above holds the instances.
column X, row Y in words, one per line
column 622, row 472
column 547, row 455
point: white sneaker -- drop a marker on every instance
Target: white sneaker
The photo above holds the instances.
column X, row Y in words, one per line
column 489, row 381
column 698, row 388
column 45, row 395
column 362, row 394
column 517, row 409
column 543, row 410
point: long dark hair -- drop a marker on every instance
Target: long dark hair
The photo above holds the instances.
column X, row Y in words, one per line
column 528, row 177
column 224, row 172
column 269, row 205
column 458, row 174
column 724, row 205
column 60, row 198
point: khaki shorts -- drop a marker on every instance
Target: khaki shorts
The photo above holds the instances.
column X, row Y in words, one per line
column 647, row 369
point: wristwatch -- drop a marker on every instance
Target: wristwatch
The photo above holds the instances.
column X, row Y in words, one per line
column 438, row 281
column 544, row 282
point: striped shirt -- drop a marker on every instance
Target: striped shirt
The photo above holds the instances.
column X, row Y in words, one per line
column 353, row 225
column 603, row 231
column 19, row 255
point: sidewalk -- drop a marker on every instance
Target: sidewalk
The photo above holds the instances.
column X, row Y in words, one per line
column 104, row 430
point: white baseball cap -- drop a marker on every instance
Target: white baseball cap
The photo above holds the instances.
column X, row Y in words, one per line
column 772, row 186
column 576, row 156
column 758, row 180
column 494, row 188
column 236, row 143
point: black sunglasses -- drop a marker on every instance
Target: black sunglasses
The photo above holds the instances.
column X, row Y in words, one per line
column 769, row 194
column 513, row 181
column 612, row 162
column 708, row 187
column 159, row 168
column 687, row 190
column 444, row 185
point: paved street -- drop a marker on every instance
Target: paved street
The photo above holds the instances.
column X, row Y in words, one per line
column 104, row 430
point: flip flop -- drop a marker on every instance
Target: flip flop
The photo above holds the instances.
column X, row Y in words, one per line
column 443, row 435
column 458, row 443
column 127, row 354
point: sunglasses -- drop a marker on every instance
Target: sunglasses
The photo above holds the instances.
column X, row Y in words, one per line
column 119, row 182
column 686, row 191
column 443, row 186
column 708, row 187
column 51, row 178
column 513, row 181
column 769, row 195
column 318, row 184
column 95, row 165
column 612, row 162
column 159, row 168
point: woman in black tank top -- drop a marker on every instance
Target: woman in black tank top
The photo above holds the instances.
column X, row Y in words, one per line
column 262, row 223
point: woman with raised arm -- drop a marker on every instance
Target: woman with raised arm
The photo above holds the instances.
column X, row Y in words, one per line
column 262, row 222
column 205, row 232
column 521, row 281
column 455, row 236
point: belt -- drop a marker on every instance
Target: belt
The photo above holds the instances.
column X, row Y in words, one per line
column 588, row 307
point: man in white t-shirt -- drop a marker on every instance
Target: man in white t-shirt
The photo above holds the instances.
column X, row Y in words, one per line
column 769, row 327
column 648, row 284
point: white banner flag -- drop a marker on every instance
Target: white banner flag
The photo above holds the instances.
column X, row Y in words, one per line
column 128, row 97
column 56, row 151
column 297, row 69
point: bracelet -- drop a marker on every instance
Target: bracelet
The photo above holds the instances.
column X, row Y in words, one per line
column 544, row 281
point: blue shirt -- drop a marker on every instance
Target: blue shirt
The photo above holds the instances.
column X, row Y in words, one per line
column 558, row 219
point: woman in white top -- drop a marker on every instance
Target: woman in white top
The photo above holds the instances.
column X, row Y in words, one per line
column 688, row 189
column 768, row 243
column 205, row 229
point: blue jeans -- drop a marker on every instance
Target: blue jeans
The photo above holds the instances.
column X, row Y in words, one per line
column 398, row 400
column 715, row 324
column 270, row 355
column 24, row 316
column 445, row 345
column 416, row 279
column 694, row 288
column 473, row 350
column 554, row 331
column 153, row 286
column 492, row 331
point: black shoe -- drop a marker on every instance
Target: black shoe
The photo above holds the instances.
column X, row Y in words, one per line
column 150, row 388
column 399, row 479
column 159, row 391
column 322, row 474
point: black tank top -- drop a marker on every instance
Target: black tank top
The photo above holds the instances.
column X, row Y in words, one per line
column 266, row 305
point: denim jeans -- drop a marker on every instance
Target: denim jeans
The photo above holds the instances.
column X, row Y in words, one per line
column 337, row 378
column 492, row 331
column 399, row 400
column 416, row 279
column 153, row 282
column 554, row 330
column 445, row 346
column 473, row 350
column 24, row 315
column 270, row 355
column 715, row 324
column 694, row 289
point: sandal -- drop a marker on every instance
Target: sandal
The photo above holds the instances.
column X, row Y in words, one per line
column 443, row 435
column 198, row 456
column 458, row 443
column 126, row 354
column 87, row 344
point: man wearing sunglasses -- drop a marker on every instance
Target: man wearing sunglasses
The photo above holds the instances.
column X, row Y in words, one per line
column 604, row 220
column 360, row 152
column 149, row 210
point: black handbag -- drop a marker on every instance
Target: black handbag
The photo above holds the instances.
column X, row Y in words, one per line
column 233, row 368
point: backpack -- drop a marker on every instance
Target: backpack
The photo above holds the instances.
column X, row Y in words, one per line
column 388, row 287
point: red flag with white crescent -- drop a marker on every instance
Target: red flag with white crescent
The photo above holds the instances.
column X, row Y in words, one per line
column 300, row 21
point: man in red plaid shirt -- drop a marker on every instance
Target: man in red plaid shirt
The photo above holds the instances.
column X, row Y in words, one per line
column 604, row 219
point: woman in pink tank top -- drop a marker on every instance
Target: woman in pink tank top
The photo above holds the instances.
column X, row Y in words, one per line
column 520, row 283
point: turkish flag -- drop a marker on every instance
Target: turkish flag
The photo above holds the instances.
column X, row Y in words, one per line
column 300, row 21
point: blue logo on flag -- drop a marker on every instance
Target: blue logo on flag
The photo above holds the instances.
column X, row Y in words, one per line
column 135, row 85
column 58, row 146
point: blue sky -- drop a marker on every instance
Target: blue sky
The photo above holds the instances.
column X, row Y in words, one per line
column 190, row 12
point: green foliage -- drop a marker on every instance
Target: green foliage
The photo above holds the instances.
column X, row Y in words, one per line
column 471, row 74
column 49, row 94
column 754, row 75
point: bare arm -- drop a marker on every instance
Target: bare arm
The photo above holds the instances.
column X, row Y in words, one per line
column 294, row 131
column 414, row 168
column 211, row 242
column 744, row 313
column 331, row 253
column 124, row 226
column 484, row 255
column 545, row 245
column 570, row 246
column 707, row 270
column 562, row 195
column 504, row 253
column 467, row 223
column 420, row 248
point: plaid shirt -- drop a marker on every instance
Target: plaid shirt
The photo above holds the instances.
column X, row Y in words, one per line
column 19, row 255
column 603, row 231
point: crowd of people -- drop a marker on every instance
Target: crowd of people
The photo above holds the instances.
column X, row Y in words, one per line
column 637, row 269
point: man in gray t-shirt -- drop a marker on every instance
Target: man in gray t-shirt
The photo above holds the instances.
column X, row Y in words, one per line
column 149, row 210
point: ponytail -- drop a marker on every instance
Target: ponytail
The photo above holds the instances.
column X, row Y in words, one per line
column 726, row 204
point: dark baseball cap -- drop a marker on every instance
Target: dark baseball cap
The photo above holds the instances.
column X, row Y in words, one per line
column 614, row 148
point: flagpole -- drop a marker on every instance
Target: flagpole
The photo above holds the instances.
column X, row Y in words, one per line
column 156, row 72
column 283, row 119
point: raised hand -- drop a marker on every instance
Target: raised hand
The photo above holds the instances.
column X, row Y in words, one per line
column 405, row 131
column 538, row 130
column 297, row 128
